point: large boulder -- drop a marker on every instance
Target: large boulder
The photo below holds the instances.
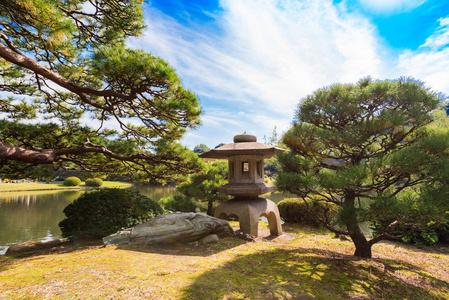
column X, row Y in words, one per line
column 171, row 228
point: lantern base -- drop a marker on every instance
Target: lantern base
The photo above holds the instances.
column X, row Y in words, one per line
column 248, row 212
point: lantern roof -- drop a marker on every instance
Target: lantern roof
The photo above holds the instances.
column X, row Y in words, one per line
column 244, row 144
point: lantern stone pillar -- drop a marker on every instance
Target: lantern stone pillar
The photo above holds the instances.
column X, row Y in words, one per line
column 246, row 182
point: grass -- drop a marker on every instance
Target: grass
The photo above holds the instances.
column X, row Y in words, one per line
column 312, row 265
column 16, row 187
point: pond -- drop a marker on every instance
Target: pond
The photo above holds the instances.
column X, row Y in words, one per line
column 34, row 215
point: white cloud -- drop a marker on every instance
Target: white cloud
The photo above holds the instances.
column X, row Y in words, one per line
column 261, row 57
column 440, row 38
column 221, row 119
column 430, row 62
column 389, row 7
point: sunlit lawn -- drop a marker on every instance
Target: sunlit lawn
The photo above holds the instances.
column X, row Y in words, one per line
column 311, row 265
column 12, row 187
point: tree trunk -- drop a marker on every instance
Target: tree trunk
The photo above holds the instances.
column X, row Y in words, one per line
column 362, row 247
column 210, row 205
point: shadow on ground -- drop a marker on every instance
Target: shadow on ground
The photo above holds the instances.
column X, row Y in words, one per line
column 311, row 273
column 187, row 249
column 199, row 249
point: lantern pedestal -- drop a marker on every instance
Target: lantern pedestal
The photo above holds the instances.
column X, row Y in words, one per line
column 248, row 211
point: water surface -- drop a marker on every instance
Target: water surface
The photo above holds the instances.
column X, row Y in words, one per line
column 34, row 215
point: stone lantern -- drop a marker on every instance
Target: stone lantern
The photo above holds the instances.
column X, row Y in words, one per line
column 246, row 182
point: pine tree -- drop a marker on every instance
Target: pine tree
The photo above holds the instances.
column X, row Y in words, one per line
column 61, row 61
column 365, row 148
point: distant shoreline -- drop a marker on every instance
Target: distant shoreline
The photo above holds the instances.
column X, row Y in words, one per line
column 28, row 187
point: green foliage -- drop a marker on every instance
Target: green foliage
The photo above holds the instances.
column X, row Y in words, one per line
column 119, row 177
column 72, row 181
column 274, row 139
column 94, row 182
column 66, row 173
column 201, row 148
column 102, row 212
column 366, row 148
column 181, row 203
column 424, row 238
column 201, row 187
column 295, row 210
column 440, row 120
column 219, row 145
column 443, row 233
column 429, row 237
column 271, row 166
column 60, row 61
column 422, row 222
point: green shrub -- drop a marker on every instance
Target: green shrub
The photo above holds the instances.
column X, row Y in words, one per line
column 423, row 238
column 94, row 182
column 99, row 213
column 181, row 203
column 438, row 235
column 72, row 181
column 294, row 210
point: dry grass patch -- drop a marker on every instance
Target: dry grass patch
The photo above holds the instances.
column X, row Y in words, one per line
column 313, row 265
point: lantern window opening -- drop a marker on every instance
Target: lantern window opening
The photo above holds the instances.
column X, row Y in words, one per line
column 259, row 169
column 246, row 170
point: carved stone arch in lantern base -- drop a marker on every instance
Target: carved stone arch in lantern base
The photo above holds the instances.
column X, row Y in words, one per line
column 246, row 182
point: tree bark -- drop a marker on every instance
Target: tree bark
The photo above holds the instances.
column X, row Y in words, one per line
column 16, row 153
column 48, row 156
column 362, row 247
column 210, row 204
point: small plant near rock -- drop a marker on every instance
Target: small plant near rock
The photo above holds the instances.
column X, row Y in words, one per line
column 72, row 181
column 102, row 212
column 97, row 182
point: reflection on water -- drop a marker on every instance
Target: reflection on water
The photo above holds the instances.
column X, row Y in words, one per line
column 27, row 216
column 34, row 215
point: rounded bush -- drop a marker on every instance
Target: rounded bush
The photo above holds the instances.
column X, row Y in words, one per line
column 295, row 210
column 99, row 213
column 94, row 182
column 72, row 181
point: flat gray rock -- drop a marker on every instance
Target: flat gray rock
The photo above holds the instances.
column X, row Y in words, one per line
column 171, row 228
column 31, row 246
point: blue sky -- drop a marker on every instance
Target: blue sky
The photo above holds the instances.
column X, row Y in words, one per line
column 250, row 62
